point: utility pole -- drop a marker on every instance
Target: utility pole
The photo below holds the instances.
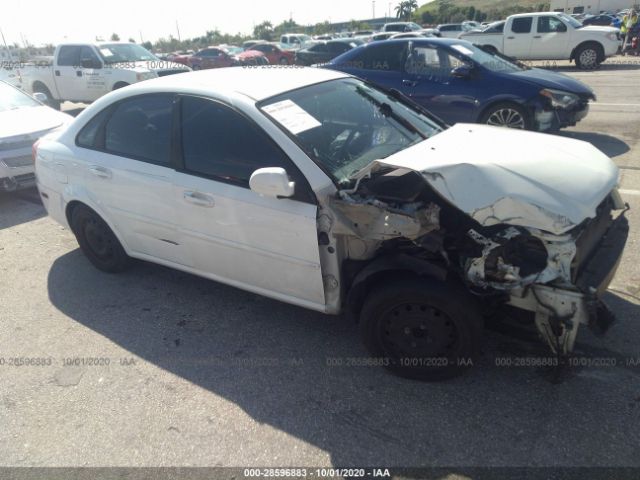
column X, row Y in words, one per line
column 141, row 40
column 7, row 47
column 178, row 29
column 373, row 7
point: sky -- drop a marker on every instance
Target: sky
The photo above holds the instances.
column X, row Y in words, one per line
column 54, row 21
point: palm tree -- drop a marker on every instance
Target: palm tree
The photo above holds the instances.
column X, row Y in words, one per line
column 401, row 9
column 410, row 6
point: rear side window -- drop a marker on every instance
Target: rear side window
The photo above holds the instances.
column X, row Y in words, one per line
column 319, row 48
column 140, row 128
column 383, row 56
column 338, row 47
column 69, row 56
column 522, row 25
column 89, row 135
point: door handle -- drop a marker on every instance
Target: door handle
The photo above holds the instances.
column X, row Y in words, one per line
column 409, row 83
column 200, row 199
column 78, row 73
column 537, row 36
column 100, row 171
column 511, row 38
column 57, row 72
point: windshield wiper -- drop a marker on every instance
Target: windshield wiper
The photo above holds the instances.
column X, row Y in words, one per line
column 387, row 111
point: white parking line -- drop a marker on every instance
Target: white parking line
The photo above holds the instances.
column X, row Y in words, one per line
column 629, row 192
column 595, row 104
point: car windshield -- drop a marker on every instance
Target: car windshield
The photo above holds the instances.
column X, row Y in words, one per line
column 346, row 124
column 125, row 52
column 495, row 63
column 11, row 98
column 570, row 20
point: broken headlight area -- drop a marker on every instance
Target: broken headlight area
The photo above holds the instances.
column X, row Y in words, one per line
column 517, row 257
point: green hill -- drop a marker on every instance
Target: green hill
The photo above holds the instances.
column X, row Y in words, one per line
column 454, row 10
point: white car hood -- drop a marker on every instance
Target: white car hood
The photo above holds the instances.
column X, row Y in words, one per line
column 503, row 176
column 598, row 28
column 30, row 120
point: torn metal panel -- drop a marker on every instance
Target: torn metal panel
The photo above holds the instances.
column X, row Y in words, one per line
column 493, row 270
column 370, row 219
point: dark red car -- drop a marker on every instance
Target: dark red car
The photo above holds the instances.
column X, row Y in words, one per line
column 211, row 57
column 180, row 57
column 224, row 56
column 275, row 54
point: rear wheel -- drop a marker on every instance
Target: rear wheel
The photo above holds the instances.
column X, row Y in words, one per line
column 97, row 241
column 284, row 61
column 510, row 115
column 422, row 329
column 120, row 85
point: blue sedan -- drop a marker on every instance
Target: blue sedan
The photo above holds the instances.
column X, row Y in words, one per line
column 460, row 82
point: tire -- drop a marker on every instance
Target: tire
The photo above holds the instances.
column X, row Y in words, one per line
column 506, row 114
column 97, row 241
column 422, row 329
column 51, row 102
column 119, row 85
column 284, row 61
column 588, row 56
column 490, row 49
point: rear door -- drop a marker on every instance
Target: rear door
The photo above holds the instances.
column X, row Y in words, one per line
column 551, row 40
column 129, row 175
column 269, row 245
column 381, row 63
column 428, row 69
column 518, row 37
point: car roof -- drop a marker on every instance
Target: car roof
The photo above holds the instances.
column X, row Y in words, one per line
column 255, row 83
column 536, row 14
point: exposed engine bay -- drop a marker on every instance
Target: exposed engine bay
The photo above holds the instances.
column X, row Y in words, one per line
column 556, row 277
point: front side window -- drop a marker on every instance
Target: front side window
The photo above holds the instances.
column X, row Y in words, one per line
column 140, row 128
column 69, row 56
column 346, row 124
column 219, row 143
column 522, row 25
column 550, row 25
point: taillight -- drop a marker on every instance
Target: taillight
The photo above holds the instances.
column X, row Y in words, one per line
column 34, row 150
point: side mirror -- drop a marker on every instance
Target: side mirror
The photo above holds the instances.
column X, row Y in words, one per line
column 41, row 97
column 90, row 63
column 272, row 182
column 463, row 71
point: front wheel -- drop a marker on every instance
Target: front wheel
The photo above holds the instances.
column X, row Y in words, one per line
column 422, row 329
column 508, row 115
column 588, row 57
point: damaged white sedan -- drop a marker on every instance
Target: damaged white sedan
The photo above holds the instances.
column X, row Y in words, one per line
column 318, row 189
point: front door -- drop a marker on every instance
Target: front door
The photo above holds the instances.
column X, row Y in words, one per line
column 268, row 245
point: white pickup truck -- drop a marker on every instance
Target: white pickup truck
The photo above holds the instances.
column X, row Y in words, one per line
column 83, row 72
column 550, row 36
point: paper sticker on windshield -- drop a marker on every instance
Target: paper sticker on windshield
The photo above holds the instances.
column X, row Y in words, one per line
column 291, row 116
column 462, row 49
column 106, row 52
